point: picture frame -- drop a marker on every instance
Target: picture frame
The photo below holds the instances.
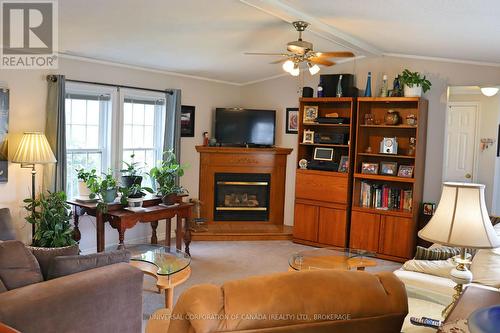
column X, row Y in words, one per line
column 4, row 130
column 292, row 121
column 308, row 137
column 388, row 168
column 323, row 154
column 344, row 164
column 187, row 121
column 406, row 171
column 428, row 208
column 310, row 114
column 369, row 168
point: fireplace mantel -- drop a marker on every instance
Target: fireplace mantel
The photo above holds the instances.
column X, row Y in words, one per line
column 272, row 161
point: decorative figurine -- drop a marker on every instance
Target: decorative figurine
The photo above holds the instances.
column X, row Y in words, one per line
column 205, row 139
column 411, row 120
column 369, row 119
column 396, row 87
column 412, row 146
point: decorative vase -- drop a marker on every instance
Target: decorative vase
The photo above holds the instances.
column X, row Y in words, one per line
column 135, row 202
column 411, row 120
column 339, row 87
column 110, row 195
column 368, row 89
column 83, row 189
column 415, row 91
column 391, row 117
column 169, row 199
column 129, row 181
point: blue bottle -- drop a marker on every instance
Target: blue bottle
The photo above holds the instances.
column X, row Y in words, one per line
column 320, row 92
column 368, row 89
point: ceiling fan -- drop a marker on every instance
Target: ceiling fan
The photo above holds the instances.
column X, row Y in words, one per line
column 301, row 51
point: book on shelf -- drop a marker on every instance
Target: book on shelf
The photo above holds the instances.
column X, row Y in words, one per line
column 385, row 197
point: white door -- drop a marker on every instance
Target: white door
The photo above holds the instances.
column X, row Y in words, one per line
column 460, row 142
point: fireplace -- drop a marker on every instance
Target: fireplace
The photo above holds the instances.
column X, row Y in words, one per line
column 242, row 196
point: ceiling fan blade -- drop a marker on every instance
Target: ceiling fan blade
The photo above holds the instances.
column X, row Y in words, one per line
column 278, row 61
column 267, row 54
column 321, row 61
column 340, row 54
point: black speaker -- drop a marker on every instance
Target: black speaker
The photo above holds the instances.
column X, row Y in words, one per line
column 330, row 82
column 307, row 92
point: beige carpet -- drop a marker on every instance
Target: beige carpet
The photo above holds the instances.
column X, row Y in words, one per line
column 216, row 262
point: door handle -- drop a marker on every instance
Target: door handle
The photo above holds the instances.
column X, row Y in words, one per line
column 468, row 176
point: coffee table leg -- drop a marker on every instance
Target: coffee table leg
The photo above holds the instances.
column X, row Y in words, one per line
column 168, row 231
column 169, row 298
column 154, row 238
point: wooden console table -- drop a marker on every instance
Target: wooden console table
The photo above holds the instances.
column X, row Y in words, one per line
column 122, row 219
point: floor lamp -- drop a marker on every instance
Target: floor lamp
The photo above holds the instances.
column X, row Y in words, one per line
column 461, row 220
column 33, row 149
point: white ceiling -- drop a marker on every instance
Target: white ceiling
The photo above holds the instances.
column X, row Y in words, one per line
column 208, row 38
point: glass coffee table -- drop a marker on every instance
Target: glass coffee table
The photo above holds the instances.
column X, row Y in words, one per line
column 331, row 258
column 169, row 266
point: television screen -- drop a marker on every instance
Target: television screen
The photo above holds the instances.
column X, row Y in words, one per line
column 243, row 126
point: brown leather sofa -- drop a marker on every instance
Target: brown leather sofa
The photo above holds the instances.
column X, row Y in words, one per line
column 305, row 302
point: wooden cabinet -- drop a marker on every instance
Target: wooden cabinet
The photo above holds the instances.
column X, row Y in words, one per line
column 396, row 236
column 365, row 231
column 328, row 191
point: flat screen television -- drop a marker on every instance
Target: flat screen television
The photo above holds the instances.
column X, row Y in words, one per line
column 240, row 127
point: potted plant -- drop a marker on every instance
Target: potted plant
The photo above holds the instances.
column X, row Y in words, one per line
column 131, row 174
column 104, row 189
column 83, row 177
column 414, row 83
column 134, row 195
column 166, row 176
column 52, row 219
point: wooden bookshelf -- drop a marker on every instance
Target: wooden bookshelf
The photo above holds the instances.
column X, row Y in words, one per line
column 390, row 232
column 323, row 198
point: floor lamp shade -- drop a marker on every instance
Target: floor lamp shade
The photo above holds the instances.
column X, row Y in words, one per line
column 34, row 149
column 461, row 218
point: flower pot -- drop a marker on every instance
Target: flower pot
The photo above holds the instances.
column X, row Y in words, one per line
column 129, row 181
column 83, row 190
column 110, row 195
column 169, row 199
column 135, row 202
column 415, row 91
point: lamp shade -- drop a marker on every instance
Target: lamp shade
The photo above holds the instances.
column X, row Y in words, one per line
column 461, row 218
column 34, row 149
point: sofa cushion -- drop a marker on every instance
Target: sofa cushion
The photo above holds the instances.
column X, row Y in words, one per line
column 486, row 265
column 433, row 267
column 6, row 228
column 44, row 255
column 18, row 266
column 66, row 265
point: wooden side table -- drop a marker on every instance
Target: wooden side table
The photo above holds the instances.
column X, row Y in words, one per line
column 472, row 298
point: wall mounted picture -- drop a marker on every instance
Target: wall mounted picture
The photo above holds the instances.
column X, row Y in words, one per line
column 369, row 168
column 388, row 168
column 187, row 121
column 344, row 164
column 429, row 208
column 292, row 120
column 4, row 130
column 406, row 171
column 308, row 137
column 310, row 114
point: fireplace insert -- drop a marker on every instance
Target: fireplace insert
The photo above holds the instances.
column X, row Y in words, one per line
column 241, row 196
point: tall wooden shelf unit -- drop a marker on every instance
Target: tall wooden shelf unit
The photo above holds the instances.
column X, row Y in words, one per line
column 390, row 233
column 323, row 198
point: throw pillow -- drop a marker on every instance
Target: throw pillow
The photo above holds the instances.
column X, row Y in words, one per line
column 437, row 253
column 66, row 265
column 44, row 255
column 440, row 268
column 6, row 229
column 18, row 266
column 2, row 287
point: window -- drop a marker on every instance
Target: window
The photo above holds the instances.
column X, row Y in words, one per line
column 102, row 132
column 86, row 135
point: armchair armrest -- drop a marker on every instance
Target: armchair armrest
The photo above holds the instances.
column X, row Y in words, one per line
column 7, row 329
column 105, row 299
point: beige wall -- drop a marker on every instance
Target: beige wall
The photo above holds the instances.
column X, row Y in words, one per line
column 27, row 112
column 282, row 92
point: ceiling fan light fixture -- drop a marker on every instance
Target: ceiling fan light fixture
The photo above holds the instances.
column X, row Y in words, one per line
column 295, row 71
column 489, row 91
column 313, row 69
column 288, row 66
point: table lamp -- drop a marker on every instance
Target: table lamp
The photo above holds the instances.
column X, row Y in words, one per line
column 461, row 220
column 33, row 149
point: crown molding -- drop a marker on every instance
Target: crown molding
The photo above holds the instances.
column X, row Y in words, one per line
column 289, row 14
column 440, row 59
column 74, row 56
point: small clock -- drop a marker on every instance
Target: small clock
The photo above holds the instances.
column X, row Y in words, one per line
column 303, row 164
column 389, row 146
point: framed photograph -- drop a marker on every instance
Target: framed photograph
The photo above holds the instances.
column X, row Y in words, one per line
column 405, row 171
column 369, row 168
column 187, row 121
column 308, row 137
column 323, row 154
column 310, row 113
column 429, row 208
column 344, row 164
column 292, row 120
column 4, row 130
column 388, row 168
